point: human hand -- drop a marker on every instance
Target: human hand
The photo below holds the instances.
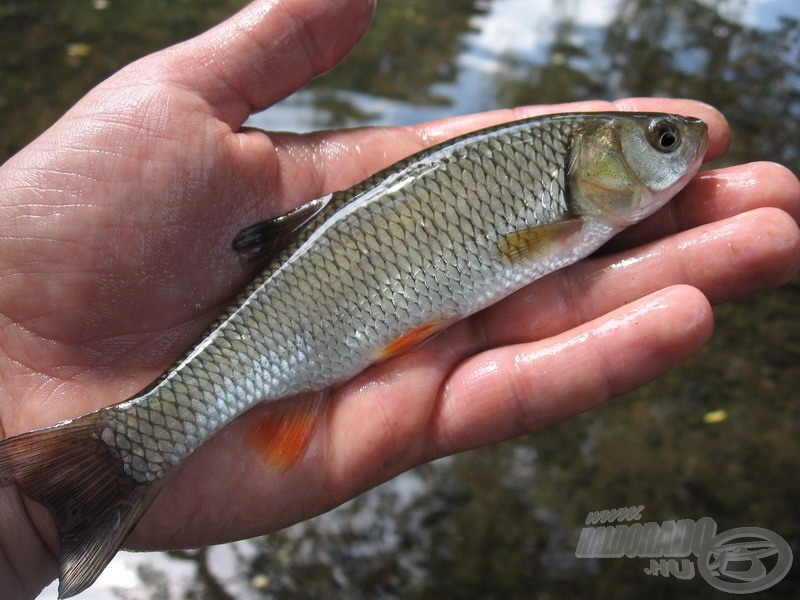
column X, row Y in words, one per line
column 116, row 228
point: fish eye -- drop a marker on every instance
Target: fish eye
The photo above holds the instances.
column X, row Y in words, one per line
column 664, row 136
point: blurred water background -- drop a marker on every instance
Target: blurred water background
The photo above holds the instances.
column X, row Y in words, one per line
column 718, row 437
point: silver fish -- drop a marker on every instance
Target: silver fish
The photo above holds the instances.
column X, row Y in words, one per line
column 353, row 278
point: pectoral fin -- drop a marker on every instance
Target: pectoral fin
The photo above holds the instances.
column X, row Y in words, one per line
column 525, row 244
column 264, row 239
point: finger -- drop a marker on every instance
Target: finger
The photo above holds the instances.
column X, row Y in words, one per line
column 719, row 132
column 718, row 194
column 756, row 250
column 740, row 255
column 514, row 390
column 339, row 159
column 725, row 260
column 393, row 418
column 26, row 563
column 264, row 53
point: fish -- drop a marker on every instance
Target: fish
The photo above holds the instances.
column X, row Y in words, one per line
column 350, row 279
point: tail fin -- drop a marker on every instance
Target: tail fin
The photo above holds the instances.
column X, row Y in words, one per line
column 70, row 470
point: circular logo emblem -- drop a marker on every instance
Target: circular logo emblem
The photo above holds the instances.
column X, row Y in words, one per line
column 745, row 560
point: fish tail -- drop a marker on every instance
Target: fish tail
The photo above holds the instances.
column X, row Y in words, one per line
column 81, row 480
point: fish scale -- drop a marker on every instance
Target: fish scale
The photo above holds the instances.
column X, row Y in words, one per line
column 301, row 316
column 372, row 276
column 362, row 274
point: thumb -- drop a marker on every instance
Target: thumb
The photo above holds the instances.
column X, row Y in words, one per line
column 262, row 54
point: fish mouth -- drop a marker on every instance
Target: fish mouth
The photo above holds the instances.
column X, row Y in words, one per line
column 704, row 139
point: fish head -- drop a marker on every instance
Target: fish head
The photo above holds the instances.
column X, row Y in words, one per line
column 625, row 166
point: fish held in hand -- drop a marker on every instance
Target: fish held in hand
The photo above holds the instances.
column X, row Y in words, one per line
column 352, row 278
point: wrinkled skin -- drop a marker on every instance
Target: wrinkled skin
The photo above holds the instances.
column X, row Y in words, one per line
column 115, row 229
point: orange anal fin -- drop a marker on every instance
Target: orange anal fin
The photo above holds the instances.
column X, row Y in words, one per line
column 411, row 339
column 282, row 436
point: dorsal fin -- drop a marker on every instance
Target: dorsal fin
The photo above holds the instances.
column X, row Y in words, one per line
column 267, row 238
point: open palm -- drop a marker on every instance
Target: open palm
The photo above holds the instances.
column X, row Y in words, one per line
column 115, row 230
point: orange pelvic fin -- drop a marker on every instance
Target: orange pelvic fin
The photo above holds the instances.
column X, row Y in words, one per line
column 282, row 436
column 411, row 339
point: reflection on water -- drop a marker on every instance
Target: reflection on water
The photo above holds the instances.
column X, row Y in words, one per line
column 503, row 521
column 743, row 57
